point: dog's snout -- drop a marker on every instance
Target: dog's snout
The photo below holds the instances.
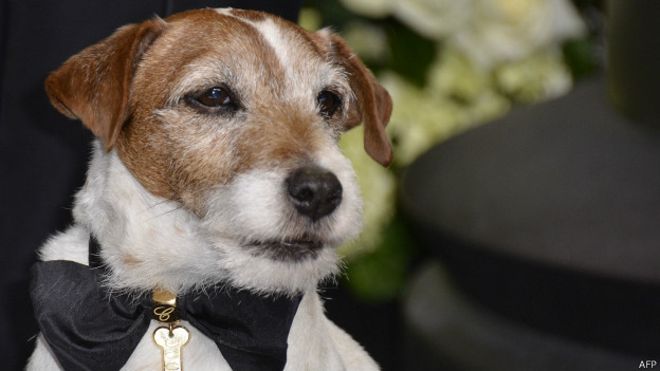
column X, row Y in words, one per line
column 313, row 191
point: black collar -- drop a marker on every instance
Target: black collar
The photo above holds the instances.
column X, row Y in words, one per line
column 89, row 328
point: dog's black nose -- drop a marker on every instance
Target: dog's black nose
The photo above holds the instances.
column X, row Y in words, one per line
column 315, row 192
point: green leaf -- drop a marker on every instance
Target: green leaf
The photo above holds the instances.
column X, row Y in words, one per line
column 581, row 57
column 411, row 55
column 381, row 275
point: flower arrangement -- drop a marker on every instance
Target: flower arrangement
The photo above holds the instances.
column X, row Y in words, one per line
column 449, row 65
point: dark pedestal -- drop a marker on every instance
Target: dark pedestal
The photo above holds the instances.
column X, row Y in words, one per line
column 446, row 331
column 550, row 217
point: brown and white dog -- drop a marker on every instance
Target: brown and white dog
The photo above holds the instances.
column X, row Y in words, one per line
column 216, row 160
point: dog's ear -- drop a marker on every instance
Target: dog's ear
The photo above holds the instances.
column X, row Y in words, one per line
column 94, row 85
column 373, row 105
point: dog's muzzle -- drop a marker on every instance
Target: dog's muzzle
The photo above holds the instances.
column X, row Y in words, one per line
column 314, row 192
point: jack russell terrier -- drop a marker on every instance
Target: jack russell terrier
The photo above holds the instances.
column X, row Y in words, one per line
column 215, row 198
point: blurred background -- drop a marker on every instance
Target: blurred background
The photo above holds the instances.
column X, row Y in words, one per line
column 450, row 66
column 518, row 227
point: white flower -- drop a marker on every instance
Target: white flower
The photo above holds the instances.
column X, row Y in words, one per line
column 505, row 30
column 431, row 18
column 487, row 31
column 418, row 120
column 368, row 41
column 540, row 76
column 434, row 19
column 453, row 74
column 457, row 97
column 370, row 8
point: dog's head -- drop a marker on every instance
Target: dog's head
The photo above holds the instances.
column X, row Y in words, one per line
column 235, row 116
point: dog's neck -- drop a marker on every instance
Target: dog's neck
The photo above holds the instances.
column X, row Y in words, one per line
column 147, row 241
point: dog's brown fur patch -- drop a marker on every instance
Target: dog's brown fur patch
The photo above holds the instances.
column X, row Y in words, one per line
column 160, row 154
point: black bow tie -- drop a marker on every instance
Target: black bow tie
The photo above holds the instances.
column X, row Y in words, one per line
column 87, row 328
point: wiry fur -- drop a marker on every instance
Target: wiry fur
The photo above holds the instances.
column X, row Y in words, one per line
column 183, row 198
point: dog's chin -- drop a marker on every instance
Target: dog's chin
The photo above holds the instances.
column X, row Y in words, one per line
column 279, row 265
column 287, row 249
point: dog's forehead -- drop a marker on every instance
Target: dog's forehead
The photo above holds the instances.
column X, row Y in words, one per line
column 247, row 47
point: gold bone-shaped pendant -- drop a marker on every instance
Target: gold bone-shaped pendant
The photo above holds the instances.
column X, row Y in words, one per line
column 171, row 342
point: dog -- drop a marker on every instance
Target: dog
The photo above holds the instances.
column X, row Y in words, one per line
column 216, row 162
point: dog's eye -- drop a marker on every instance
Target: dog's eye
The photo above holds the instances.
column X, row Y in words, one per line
column 328, row 103
column 216, row 98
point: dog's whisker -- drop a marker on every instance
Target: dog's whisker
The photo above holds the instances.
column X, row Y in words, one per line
column 156, row 204
column 167, row 212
